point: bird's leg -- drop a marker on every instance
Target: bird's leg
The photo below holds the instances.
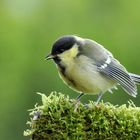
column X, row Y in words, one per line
column 99, row 97
column 78, row 102
column 78, row 98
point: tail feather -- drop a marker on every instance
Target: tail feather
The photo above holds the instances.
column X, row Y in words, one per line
column 135, row 77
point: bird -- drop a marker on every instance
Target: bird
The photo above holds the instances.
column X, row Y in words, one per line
column 89, row 68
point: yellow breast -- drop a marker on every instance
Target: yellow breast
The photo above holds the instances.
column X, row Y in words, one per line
column 81, row 75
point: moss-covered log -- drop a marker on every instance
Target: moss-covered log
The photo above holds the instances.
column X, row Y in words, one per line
column 56, row 118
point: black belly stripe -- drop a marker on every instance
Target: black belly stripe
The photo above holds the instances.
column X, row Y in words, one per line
column 62, row 69
column 72, row 81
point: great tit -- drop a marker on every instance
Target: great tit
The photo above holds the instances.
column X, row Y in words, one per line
column 87, row 67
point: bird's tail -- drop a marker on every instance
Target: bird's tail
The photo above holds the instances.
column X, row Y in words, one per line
column 135, row 77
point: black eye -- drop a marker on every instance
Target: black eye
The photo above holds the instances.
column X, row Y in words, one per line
column 62, row 50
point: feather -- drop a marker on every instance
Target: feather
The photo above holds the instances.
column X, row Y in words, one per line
column 116, row 71
column 135, row 77
column 109, row 66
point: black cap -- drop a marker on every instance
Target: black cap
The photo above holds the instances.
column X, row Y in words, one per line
column 63, row 44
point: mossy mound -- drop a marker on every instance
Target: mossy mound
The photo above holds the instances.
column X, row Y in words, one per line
column 56, row 118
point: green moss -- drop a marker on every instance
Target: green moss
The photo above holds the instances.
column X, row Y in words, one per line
column 56, row 118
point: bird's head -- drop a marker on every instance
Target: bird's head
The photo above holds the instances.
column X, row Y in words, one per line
column 65, row 49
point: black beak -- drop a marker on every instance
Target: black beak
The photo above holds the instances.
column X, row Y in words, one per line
column 50, row 56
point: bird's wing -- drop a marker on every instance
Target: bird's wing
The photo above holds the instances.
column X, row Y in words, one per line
column 109, row 66
column 114, row 70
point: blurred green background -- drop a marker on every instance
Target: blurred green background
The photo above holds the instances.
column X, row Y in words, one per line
column 27, row 30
